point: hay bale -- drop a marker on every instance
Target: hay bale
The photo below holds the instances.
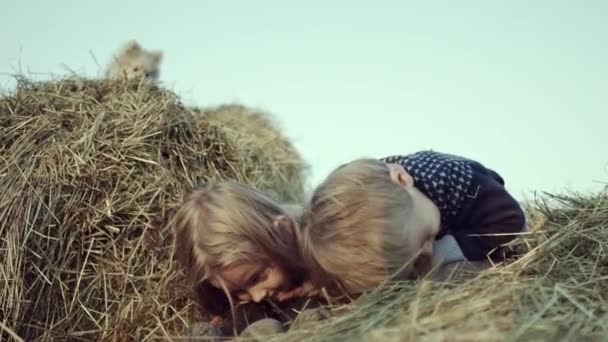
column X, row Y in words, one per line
column 259, row 135
column 556, row 290
column 90, row 173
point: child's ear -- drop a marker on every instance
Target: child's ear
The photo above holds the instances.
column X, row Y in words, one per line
column 282, row 222
column 133, row 47
column 400, row 176
column 287, row 228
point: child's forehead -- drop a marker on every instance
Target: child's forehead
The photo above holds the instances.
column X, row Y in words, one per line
column 237, row 275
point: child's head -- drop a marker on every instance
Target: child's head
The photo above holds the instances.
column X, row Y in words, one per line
column 136, row 62
column 232, row 237
column 367, row 222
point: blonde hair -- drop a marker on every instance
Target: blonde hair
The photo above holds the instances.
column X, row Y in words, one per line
column 354, row 230
column 225, row 223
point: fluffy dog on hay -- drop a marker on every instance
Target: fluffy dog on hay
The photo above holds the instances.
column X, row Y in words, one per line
column 133, row 61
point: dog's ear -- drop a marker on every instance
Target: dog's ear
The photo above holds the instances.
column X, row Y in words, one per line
column 132, row 47
column 157, row 56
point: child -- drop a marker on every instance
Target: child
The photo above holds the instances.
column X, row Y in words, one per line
column 237, row 244
column 135, row 62
column 371, row 219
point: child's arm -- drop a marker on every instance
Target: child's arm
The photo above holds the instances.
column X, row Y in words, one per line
column 492, row 211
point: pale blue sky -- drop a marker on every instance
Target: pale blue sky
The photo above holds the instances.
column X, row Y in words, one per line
column 521, row 86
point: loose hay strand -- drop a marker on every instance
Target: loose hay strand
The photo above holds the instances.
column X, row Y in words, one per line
column 10, row 332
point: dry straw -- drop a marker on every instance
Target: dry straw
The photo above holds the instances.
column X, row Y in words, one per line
column 90, row 173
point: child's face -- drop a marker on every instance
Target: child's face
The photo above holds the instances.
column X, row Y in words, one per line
column 426, row 219
column 251, row 282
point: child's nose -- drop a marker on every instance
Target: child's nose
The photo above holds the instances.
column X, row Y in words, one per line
column 258, row 295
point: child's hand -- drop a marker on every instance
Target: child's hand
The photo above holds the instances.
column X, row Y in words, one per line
column 215, row 321
column 306, row 289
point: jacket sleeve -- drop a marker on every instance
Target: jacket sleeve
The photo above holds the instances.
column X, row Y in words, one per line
column 492, row 218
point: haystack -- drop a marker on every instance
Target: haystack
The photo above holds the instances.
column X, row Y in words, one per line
column 557, row 289
column 90, row 173
column 261, row 143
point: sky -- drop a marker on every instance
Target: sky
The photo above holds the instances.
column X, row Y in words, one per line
column 521, row 86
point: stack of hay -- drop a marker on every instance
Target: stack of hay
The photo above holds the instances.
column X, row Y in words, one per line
column 90, row 173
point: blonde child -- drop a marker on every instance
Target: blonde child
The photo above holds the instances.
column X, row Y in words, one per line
column 237, row 244
column 135, row 62
column 371, row 219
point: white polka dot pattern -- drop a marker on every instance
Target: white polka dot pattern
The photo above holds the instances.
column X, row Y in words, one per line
column 444, row 178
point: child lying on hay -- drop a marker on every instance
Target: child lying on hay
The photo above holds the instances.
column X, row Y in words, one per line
column 369, row 221
column 231, row 238
column 374, row 218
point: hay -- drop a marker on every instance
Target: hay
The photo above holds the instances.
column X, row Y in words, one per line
column 557, row 290
column 261, row 143
column 90, row 173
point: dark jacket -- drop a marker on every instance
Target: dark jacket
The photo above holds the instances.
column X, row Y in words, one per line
column 471, row 198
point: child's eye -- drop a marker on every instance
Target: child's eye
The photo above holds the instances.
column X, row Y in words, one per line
column 258, row 277
column 264, row 275
column 136, row 69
